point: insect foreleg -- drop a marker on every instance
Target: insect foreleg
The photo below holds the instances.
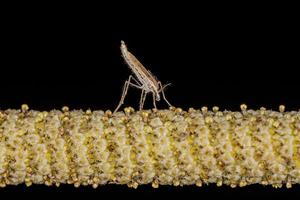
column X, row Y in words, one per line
column 163, row 94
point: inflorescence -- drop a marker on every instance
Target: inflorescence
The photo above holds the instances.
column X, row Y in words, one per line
column 158, row 147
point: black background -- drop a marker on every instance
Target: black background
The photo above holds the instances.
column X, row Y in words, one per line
column 224, row 55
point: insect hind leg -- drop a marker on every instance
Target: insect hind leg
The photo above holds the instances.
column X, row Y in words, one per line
column 143, row 98
column 125, row 90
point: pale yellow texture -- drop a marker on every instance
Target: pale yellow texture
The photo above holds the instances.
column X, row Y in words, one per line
column 160, row 147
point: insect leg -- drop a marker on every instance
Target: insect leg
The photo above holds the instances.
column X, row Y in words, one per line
column 124, row 93
column 163, row 94
column 143, row 98
column 142, row 95
column 154, row 103
column 137, row 82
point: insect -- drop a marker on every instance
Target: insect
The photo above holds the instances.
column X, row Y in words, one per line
column 144, row 80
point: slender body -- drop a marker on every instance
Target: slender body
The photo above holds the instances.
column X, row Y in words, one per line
column 145, row 80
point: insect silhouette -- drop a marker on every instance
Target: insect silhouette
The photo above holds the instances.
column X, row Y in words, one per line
column 144, row 80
